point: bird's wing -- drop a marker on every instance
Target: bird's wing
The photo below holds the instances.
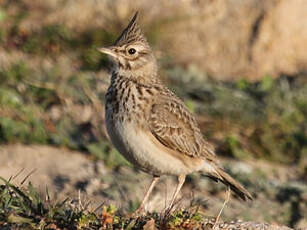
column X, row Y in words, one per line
column 176, row 128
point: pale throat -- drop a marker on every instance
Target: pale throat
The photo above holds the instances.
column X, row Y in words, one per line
column 147, row 72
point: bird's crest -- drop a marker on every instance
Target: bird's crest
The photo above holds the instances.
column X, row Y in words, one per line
column 131, row 33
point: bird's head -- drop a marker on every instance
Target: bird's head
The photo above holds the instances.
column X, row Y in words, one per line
column 131, row 52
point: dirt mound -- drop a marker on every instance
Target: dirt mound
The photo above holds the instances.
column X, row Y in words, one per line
column 64, row 172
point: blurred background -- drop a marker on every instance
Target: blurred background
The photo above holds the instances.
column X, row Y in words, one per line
column 239, row 65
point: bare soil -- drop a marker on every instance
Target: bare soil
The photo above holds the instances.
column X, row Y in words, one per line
column 280, row 194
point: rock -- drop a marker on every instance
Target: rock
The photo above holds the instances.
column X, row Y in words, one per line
column 235, row 39
column 281, row 45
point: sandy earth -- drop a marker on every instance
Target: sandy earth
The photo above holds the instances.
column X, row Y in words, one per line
column 65, row 173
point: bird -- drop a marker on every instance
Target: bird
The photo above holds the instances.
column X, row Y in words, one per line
column 149, row 125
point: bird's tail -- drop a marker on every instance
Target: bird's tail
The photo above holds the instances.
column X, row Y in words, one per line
column 220, row 175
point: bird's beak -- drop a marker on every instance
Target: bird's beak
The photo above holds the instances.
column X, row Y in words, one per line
column 108, row 50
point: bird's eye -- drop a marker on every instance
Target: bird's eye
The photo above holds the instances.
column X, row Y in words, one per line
column 131, row 51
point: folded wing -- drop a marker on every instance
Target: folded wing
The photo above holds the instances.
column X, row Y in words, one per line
column 176, row 128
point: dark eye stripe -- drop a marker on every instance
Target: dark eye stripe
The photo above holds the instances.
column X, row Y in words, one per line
column 140, row 55
column 143, row 52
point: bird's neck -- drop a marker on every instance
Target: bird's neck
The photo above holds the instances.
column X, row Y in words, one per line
column 142, row 80
column 146, row 75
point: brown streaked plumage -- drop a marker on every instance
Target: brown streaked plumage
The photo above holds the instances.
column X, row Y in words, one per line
column 149, row 124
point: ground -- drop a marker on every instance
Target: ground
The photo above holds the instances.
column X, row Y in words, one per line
column 280, row 195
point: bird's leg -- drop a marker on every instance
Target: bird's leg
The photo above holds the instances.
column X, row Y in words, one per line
column 224, row 204
column 152, row 185
column 181, row 180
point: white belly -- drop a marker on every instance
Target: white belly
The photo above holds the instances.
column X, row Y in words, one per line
column 139, row 148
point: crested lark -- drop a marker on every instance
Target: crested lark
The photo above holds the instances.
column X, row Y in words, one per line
column 149, row 124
